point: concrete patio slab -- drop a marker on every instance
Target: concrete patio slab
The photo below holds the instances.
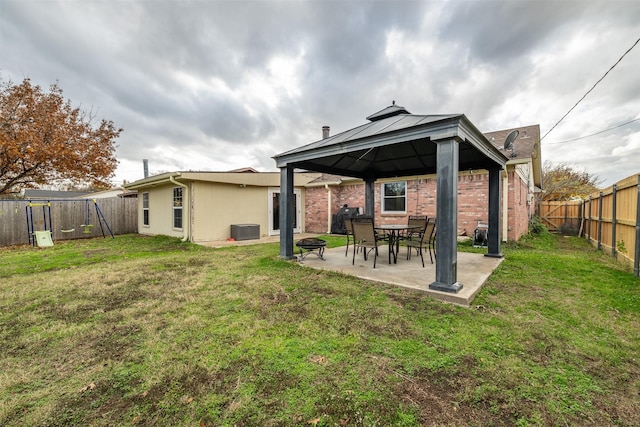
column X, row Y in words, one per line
column 473, row 271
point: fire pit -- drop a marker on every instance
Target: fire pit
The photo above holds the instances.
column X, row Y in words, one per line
column 311, row 245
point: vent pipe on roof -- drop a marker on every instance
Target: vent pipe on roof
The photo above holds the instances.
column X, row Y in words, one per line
column 145, row 165
column 325, row 132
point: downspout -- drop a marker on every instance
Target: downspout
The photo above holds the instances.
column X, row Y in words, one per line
column 185, row 202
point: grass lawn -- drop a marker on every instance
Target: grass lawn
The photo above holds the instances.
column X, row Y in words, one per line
column 148, row 331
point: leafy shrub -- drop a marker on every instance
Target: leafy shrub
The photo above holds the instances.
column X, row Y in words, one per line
column 536, row 226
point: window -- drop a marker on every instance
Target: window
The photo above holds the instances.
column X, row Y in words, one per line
column 145, row 209
column 177, row 207
column 394, row 197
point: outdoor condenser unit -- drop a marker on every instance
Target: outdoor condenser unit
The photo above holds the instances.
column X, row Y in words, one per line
column 245, row 231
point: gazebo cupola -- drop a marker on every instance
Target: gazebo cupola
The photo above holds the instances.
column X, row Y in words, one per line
column 390, row 111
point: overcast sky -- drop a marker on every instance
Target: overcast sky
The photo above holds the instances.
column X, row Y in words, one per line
column 218, row 85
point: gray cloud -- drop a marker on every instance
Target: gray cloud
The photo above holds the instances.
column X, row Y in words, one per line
column 226, row 84
column 500, row 31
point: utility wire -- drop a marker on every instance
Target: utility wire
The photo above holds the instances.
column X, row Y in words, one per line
column 593, row 134
column 589, row 91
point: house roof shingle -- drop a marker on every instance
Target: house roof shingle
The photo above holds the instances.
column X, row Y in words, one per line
column 525, row 146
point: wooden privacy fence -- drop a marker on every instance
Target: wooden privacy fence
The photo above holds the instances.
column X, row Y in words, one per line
column 67, row 218
column 562, row 216
column 609, row 219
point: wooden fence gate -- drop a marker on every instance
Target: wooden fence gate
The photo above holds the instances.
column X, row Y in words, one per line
column 563, row 217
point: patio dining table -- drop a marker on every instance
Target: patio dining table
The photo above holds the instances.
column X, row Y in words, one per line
column 395, row 232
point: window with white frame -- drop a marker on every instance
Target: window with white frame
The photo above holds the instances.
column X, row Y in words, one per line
column 145, row 209
column 394, row 197
column 177, row 207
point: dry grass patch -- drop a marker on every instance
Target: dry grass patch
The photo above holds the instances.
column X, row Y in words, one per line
column 151, row 331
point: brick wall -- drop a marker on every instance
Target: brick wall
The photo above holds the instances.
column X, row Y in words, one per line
column 473, row 202
column 315, row 209
column 518, row 209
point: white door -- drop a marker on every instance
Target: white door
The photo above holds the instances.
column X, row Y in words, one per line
column 274, row 211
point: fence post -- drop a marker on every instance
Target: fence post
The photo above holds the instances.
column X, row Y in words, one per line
column 581, row 218
column 600, row 222
column 589, row 221
column 614, row 251
column 636, row 257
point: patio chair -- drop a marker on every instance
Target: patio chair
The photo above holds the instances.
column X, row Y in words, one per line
column 349, row 227
column 419, row 220
column 365, row 238
column 432, row 239
column 369, row 220
column 422, row 244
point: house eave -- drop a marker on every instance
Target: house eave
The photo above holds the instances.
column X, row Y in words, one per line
column 258, row 179
column 152, row 181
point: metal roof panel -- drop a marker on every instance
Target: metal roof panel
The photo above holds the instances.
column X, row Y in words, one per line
column 393, row 146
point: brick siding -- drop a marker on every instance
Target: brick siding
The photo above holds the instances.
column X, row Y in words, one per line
column 518, row 209
column 473, row 202
column 315, row 209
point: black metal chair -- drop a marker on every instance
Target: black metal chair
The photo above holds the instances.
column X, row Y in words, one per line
column 424, row 243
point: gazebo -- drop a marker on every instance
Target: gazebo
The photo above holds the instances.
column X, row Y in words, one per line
column 396, row 143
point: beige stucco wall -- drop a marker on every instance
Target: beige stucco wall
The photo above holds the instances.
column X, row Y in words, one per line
column 160, row 212
column 210, row 208
column 217, row 206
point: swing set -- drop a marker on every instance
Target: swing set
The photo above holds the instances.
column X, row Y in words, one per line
column 45, row 237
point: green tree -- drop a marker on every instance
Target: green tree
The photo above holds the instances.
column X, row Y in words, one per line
column 44, row 140
column 565, row 182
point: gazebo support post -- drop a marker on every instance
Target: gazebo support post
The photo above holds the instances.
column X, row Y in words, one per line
column 493, row 240
column 369, row 197
column 286, row 212
column 447, row 160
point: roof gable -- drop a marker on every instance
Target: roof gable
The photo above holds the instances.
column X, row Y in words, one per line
column 526, row 147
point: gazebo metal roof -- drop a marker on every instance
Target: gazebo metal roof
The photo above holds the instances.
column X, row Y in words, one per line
column 395, row 146
column 396, row 143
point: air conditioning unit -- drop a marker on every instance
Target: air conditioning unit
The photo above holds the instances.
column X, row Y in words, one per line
column 245, row 231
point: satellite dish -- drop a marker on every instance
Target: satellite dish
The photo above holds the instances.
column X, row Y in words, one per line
column 508, row 143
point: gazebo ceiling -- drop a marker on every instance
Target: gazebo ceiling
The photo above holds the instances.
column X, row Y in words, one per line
column 395, row 144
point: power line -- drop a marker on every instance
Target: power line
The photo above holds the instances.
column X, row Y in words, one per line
column 593, row 134
column 592, row 87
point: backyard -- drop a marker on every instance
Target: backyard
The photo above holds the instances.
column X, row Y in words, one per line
column 147, row 331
